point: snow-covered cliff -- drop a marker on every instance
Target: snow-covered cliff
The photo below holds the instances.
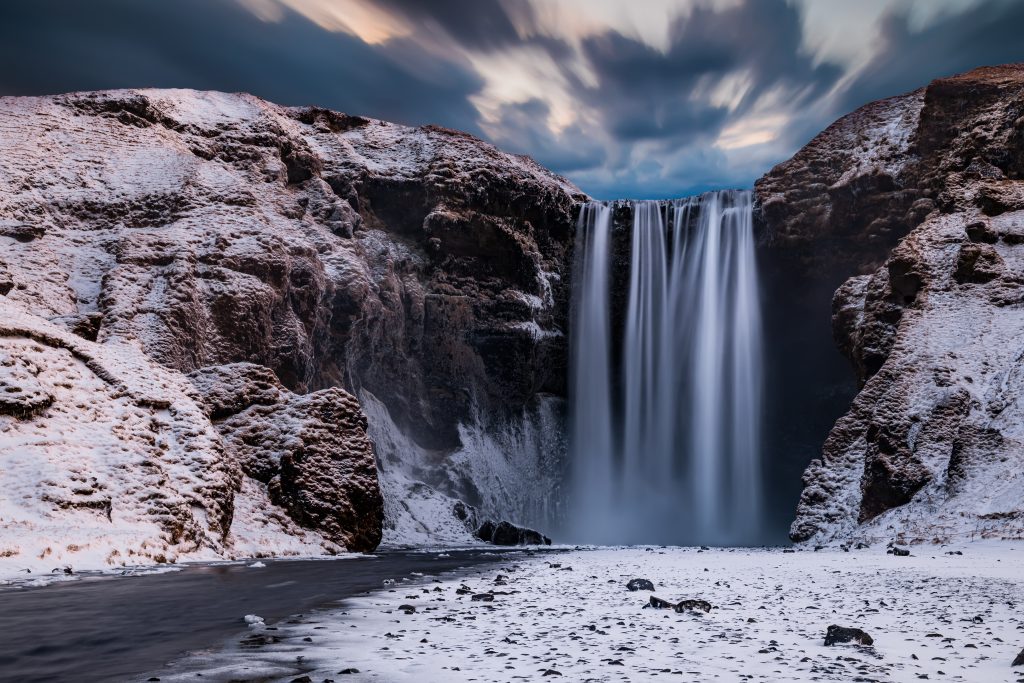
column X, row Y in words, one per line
column 921, row 199
column 175, row 235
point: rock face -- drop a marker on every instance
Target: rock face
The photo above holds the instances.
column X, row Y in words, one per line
column 419, row 269
column 921, row 199
column 310, row 451
column 110, row 459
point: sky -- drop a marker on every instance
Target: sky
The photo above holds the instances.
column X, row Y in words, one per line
column 634, row 98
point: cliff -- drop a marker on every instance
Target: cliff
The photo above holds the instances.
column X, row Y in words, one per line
column 267, row 266
column 920, row 198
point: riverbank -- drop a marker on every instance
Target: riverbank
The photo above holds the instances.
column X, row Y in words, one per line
column 941, row 613
column 103, row 627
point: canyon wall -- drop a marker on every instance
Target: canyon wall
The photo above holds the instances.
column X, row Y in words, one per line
column 919, row 201
column 281, row 263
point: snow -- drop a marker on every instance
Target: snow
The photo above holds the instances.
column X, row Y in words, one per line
column 948, row 616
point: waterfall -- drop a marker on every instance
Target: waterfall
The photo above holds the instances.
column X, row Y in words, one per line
column 666, row 395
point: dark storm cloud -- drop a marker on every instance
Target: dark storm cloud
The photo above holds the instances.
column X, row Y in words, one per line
column 988, row 34
column 523, row 125
column 648, row 125
column 477, row 24
column 647, row 93
column 51, row 46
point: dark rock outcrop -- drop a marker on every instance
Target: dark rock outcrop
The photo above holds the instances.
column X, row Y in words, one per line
column 920, row 198
column 692, row 606
column 658, row 603
column 640, row 585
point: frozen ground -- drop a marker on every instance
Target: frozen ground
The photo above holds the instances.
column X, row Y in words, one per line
column 932, row 615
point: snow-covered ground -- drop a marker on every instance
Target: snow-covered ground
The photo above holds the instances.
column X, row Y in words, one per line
column 934, row 615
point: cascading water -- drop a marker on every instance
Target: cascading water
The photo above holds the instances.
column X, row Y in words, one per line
column 665, row 440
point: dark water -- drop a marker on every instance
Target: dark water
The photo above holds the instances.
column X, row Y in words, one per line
column 115, row 628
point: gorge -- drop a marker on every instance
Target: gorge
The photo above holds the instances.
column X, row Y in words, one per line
column 234, row 329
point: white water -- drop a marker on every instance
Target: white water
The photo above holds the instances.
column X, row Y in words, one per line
column 664, row 441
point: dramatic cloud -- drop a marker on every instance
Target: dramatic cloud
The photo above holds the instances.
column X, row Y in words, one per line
column 50, row 46
column 987, row 34
column 642, row 99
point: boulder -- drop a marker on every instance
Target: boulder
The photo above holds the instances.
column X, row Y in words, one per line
column 506, row 533
column 839, row 634
column 692, row 606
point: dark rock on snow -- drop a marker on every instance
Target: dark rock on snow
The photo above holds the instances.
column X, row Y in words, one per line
column 840, row 634
column 681, row 606
column 658, row 603
column 640, row 585
column 692, row 606
column 506, row 533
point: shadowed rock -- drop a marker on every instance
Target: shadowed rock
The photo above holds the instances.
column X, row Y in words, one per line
column 506, row 533
column 923, row 214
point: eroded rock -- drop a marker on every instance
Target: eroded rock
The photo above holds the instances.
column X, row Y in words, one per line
column 927, row 213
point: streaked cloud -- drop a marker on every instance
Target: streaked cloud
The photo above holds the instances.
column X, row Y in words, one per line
column 648, row 98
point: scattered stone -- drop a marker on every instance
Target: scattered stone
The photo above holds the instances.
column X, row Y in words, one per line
column 1019, row 661
column 840, row 634
column 640, row 585
column 899, row 552
column 692, row 605
column 483, row 597
column 658, row 603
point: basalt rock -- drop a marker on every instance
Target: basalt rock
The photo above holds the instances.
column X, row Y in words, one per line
column 839, row 634
column 506, row 533
column 692, row 606
column 658, row 603
column 640, row 585
column 920, row 198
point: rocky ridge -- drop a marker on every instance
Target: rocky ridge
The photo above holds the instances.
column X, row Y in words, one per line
column 921, row 198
